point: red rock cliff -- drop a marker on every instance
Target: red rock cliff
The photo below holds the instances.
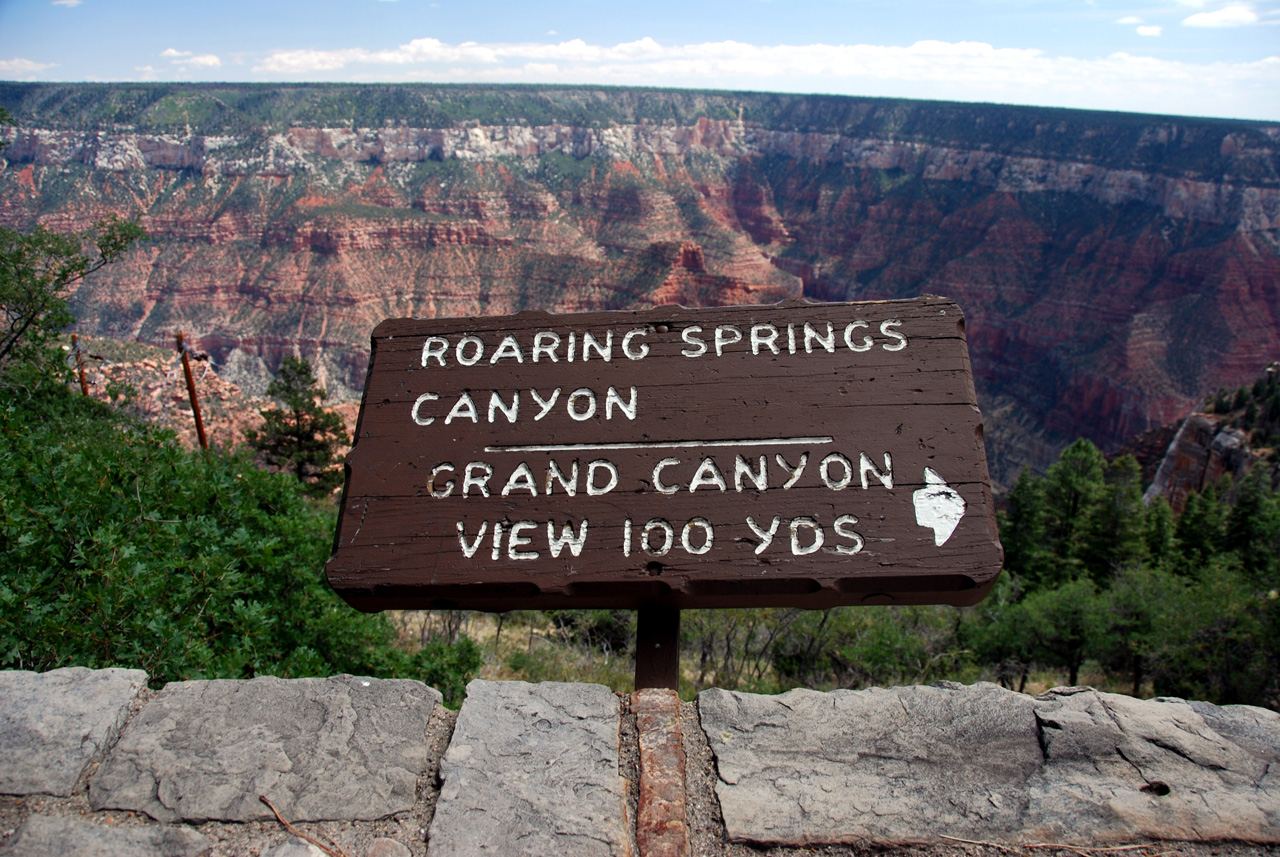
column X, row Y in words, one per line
column 1102, row 299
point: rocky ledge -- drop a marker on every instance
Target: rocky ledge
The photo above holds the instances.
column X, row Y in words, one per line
column 92, row 762
column 1248, row 206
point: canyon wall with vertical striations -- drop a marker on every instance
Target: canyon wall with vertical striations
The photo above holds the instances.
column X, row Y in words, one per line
column 1114, row 268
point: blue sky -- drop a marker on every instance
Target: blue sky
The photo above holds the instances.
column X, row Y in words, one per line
column 1187, row 57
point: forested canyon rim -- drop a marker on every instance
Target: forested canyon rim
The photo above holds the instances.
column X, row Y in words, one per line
column 1113, row 268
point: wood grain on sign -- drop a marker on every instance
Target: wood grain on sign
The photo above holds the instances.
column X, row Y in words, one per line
column 798, row 454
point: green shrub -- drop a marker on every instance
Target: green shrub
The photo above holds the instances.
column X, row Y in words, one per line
column 120, row 548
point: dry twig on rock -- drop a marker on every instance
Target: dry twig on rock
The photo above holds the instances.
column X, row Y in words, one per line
column 334, row 851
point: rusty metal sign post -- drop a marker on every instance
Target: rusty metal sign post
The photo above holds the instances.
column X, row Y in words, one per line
column 801, row 454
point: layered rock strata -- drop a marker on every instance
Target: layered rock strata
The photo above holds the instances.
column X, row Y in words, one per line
column 1113, row 269
column 1202, row 452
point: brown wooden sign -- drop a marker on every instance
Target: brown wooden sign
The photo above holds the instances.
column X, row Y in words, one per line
column 791, row 455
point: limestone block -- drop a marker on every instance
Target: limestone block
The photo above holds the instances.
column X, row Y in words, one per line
column 1255, row 729
column 53, row 724
column 886, row 765
column 532, row 770
column 919, row 763
column 341, row 748
column 1119, row 769
column 48, row 836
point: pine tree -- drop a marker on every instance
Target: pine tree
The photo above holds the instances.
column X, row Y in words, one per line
column 1161, row 542
column 302, row 437
column 1068, row 621
column 1022, row 530
column 1134, row 615
column 1073, row 485
column 1113, row 529
column 1200, row 531
column 1253, row 525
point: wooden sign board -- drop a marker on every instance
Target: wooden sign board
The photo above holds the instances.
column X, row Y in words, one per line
column 792, row 455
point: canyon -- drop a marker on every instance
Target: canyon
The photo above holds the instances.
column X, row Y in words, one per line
column 1114, row 269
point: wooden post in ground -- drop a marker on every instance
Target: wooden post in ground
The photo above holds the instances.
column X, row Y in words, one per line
column 191, row 391
column 75, row 350
column 657, row 648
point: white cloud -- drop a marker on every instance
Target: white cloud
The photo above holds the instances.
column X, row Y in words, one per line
column 1150, row 30
column 70, row 4
column 963, row 71
column 20, row 66
column 295, row 62
column 924, row 59
column 187, row 60
column 1130, row 19
column 1230, row 16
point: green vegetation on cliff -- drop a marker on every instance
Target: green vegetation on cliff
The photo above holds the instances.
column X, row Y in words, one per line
column 1187, row 603
column 120, row 548
column 1254, row 409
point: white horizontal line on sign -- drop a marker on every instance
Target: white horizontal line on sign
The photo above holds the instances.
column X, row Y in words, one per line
column 661, row 444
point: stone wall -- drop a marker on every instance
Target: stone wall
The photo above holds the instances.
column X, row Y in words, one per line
column 92, row 762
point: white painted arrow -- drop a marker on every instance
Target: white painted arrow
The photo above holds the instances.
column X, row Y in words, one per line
column 938, row 506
